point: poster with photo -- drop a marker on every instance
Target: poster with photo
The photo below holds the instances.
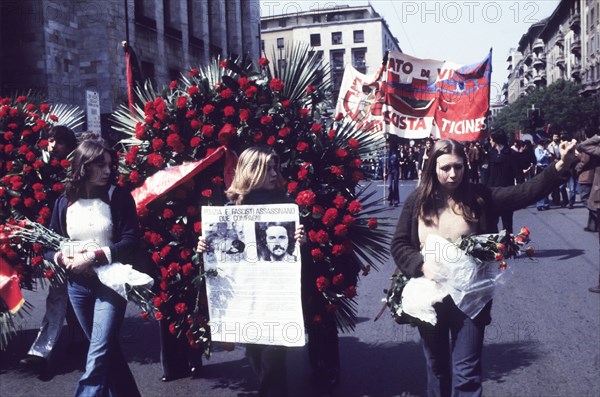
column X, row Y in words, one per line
column 255, row 295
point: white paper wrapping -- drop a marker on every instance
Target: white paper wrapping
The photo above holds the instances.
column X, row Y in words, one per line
column 469, row 282
column 117, row 275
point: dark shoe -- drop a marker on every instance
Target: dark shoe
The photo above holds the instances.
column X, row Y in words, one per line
column 587, row 229
column 33, row 363
column 168, row 378
column 195, row 372
column 595, row 289
column 571, row 206
column 540, row 208
column 546, row 207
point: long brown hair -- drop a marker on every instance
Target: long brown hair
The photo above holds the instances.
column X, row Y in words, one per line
column 429, row 192
column 251, row 172
column 91, row 148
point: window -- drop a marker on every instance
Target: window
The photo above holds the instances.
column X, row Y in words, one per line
column 145, row 13
column 336, row 38
column 282, row 23
column 359, row 36
column 171, row 12
column 264, row 25
column 280, row 42
column 316, row 18
column 315, row 40
column 359, row 59
column 337, row 60
column 148, row 71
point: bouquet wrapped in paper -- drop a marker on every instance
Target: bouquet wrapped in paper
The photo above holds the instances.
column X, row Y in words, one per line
column 468, row 270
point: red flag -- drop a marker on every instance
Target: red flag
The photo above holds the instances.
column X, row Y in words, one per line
column 168, row 179
column 132, row 73
column 10, row 291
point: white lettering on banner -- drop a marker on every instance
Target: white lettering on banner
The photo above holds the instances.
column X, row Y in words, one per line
column 471, row 126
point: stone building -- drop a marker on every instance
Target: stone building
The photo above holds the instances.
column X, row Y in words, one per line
column 63, row 48
column 355, row 35
column 564, row 46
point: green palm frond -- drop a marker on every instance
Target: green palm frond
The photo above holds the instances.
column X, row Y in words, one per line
column 299, row 68
column 125, row 121
column 70, row 116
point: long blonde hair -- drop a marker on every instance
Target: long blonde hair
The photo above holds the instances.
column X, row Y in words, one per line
column 251, row 172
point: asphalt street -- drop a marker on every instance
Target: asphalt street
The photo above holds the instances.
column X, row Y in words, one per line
column 544, row 339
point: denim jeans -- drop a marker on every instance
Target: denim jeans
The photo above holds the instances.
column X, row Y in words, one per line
column 453, row 350
column 101, row 311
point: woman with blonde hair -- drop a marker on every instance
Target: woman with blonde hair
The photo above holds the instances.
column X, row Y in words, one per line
column 258, row 181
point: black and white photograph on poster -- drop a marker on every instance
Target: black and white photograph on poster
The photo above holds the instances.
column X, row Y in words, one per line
column 253, row 298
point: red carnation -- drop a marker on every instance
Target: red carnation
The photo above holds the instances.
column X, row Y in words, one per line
column 306, row 198
column 316, row 128
column 310, row 89
column 44, row 108
column 329, row 217
column 304, row 112
column 217, row 180
column 338, row 279
column 243, row 82
column 251, row 92
column 302, row 174
column 156, row 239
column 354, row 207
column 45, row 213
column 197, row 227
column 302, row 146
column 195, row 141
column 271, row 140
column 156, row 160
column 276, row 84
column 263, row 62
column 337, row 171
column 226, row 93
column 158, row 315
column 292, row 186
column 168, row 213
column 195, row 124
column 338, row 249
column 285, row 131
column 207, row 130
column 193, row 90
column 228, row 111
column 245, row 114
column 322, row 284
column 193, row 72
column 207, row 193
column 321, row 237
column 317, row 255
column 264, row 120
column 181, row 102
column 524, row 231
column 181, row 308
column 353, row 144
column 187, row 269
column 317, row 211
column 65, row 163
column 348, row 220
column 208, row 109
column 285, row 103
column 223, row 63
column 340, row 230
column 341, row 153
column 372, row 224
column 339, row 201
column 29, row 202
column 157, row 144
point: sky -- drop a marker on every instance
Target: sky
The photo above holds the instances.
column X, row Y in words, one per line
column 458, row 31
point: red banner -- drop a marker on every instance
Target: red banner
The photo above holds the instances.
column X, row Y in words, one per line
column 10, row 291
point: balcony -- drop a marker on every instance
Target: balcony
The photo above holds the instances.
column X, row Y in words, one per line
column 560, row 39
column 576, row 45
column 560, row 61
column 576, row 72
column 538, row 45
column 575, row 22
column 539, row 62
column 528, row 59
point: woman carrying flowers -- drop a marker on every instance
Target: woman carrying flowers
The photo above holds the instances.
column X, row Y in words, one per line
column 258, row 181
column 101, row 222
column 447, row 205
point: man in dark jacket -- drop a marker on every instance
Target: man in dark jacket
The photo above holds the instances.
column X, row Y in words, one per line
column 502, row 170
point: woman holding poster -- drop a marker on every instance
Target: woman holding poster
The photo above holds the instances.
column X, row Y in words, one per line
column 445, row 204
column 258, row 181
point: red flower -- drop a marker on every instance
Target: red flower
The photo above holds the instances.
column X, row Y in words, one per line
column 157, row 144
column 197, row 227
column 350, row 292
column 322, row 284
column 302, row 174
column 193, row 72
column 217, row 180
column 498, row 257
column 353, row 144
column 226, row 93
column 340, row 230
column 348, row 220
column 208, row 109
column 207, row 193
column 21, row 98
column 8, row 135
column 251, row 92
column 316, row 128
column 177, row 229
column 39, row 196
column 501, row 247
column 36, row 261
column 53, row 118
column 339, row 201
column 168, row 213
column 285, row 131
column 264, row 120
column 195, row 141
column 156, row 239
column 304, row 112
column 263, row 62
column 243, row 82
column 207, row 130
column 338, row 279
column 317, row 255
column 45, row 213
column 166, row 250
column 337, row 171
column 338, row 249
column 182, row 102
column 158, row 315
column 271, row 140
column 245, row 114
column 341, row 153
column 65, row 163
column 156, row 160
column 190, row 114
column 276, row 84
column 302, row 146
column 49, row 274
column 292, row 186
column 44, row 108
column 181, row 308
column 195, row 124
column 193, row 90
column 354, row 207
column 310, row 89
column 223, row 63
column 306, row 198
column 173, row 84
column 285, row 103
column 330, row 216
column 321, row 237
column 524, row 231
column 317, row 211
column 187, row 269
column 173, row 269
column 372, row 224
column 228, row 111
column 530, row 251
column 29, row 202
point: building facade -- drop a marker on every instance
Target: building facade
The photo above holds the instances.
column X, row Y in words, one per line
column 564, row 46
column 342, row 35
column 64, row 48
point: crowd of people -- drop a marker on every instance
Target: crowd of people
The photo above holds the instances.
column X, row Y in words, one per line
column 462, row 189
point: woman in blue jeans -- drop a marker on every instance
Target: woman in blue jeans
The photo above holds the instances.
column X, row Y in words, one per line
column 101, row 220
column 446, row 204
